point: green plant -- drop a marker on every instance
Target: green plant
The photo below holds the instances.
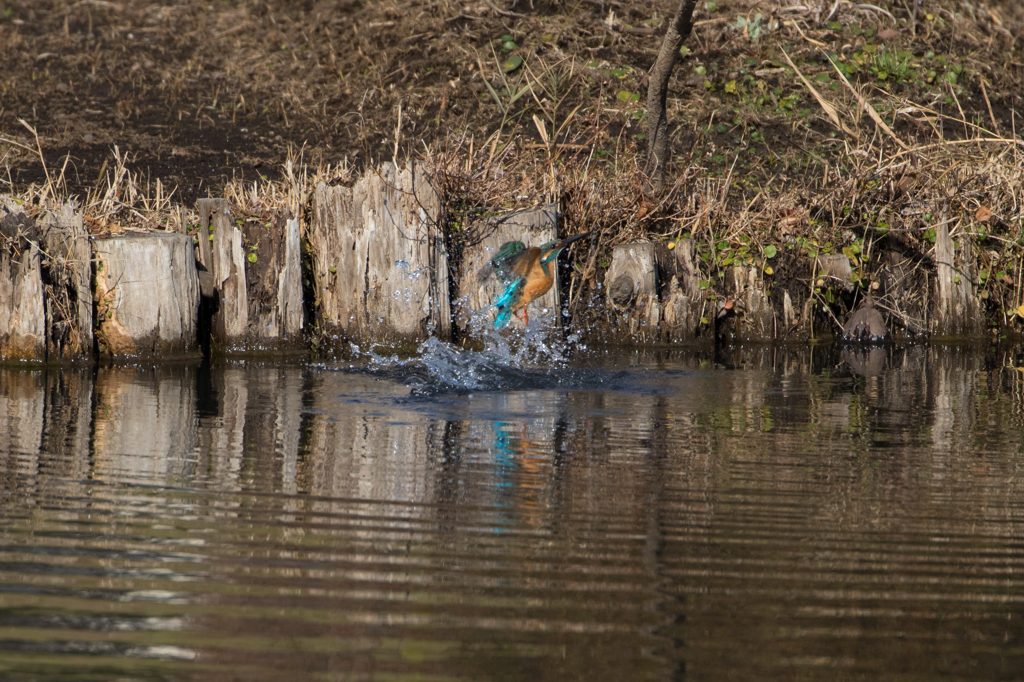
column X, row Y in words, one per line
column 508, row 43
column 753, row 28
column 890, row 65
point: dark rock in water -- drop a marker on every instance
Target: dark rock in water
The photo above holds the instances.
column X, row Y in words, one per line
column 865, row 326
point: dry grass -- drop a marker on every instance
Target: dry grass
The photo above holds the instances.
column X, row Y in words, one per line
column 864, row 167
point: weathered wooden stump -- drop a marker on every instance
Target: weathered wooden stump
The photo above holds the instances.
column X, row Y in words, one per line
column 683, row 302
column 68, row 297
column 796, row 322
column 631, row 283
column 45, row 292
column 904, row 286
column 956, row 311
column 652, row 295
column 380, row 267
column 751, row 317
column 250, row 276
column 222, row 257
column 146, row 294
column 479, row 285
column 274, row 280
column 22, row 313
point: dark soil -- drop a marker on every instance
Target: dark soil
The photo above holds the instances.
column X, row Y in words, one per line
column 199, row 93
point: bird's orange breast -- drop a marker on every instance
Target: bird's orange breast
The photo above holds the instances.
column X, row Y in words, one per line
column 537, row 283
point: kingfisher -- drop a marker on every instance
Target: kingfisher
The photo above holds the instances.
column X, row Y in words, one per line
column 527, row 274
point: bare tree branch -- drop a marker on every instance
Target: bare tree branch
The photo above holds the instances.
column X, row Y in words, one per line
column 657, row 93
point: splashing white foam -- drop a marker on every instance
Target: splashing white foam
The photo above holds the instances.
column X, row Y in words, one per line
column 514, row 357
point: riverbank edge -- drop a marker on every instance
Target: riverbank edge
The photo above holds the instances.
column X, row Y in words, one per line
column 801, row 291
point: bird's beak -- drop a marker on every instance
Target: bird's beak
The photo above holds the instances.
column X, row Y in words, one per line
column 569, row 240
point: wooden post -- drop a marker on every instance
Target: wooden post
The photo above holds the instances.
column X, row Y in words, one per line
column 380, row 267
column 252, row 278
column 479, row 284
column 752, row 317
column 684, row 303
column 204, row 243
column 22, row 311
column 273, row 280
column 904, row 286
column 69, row 303
column 632, row 286
column 222, row 254
column 956, row 308
column 22, row 316
column 54, row 321
column 795, row 326
column 147, row 294
column 290, row 306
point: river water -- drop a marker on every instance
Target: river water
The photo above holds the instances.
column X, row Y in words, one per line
column 746, row 514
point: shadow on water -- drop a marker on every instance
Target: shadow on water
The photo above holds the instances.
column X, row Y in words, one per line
column 518, row 513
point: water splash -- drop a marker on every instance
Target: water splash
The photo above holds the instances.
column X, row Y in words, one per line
column 530, row 357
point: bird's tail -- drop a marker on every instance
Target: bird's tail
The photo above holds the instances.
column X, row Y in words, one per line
column 504, row 303
column 502, row 319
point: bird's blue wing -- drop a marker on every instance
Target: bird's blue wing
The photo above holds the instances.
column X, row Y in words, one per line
column 506, row 300
column 504, row 260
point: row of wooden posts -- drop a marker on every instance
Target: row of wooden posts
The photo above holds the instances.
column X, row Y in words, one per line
column 377, row 271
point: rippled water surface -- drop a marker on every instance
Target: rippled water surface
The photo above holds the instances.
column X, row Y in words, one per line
column 755, row 515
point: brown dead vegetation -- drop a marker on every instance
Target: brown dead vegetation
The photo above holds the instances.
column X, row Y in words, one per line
column 797, row 130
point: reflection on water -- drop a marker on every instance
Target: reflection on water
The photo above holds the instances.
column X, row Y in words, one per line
column 771, row 515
